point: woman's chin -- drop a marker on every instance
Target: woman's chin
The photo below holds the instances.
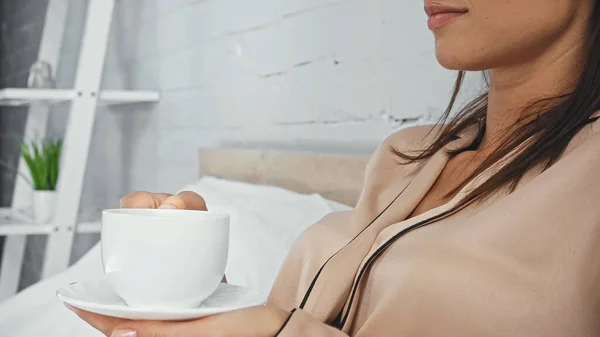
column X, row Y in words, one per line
column 456, row 54
column 455, row 61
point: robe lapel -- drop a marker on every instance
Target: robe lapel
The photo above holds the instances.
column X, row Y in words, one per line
column 372, row 215
column 390, row 232
column 334, row 283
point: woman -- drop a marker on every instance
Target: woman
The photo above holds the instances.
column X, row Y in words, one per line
column 486, row 226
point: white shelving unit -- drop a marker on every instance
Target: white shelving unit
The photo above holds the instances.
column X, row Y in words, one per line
column 14, row 222
column 84, row 98
column 26, row 96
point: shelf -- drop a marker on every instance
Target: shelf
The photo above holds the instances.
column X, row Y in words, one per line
column 123, row 96
column 19, row 223
column 23, row 96
column 26, row 96
column 89, row 227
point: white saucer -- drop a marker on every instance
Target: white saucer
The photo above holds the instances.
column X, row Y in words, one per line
column 98, row 296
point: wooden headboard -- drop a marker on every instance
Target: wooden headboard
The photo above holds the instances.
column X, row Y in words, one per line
column 334, row 176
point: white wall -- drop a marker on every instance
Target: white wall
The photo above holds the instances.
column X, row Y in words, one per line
column 291, row 72
column 319, row 74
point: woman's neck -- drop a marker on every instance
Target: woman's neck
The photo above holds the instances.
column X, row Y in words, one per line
column 513, row 88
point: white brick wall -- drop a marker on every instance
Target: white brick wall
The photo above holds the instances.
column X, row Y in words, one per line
column 311, row 74
column 294, row 73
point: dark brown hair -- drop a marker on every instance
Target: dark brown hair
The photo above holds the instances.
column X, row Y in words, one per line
column 555, row 122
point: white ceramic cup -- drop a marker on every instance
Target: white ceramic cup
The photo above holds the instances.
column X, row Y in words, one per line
column 161, row 258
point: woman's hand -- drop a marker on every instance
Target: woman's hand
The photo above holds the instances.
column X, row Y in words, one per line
column 184, row 200
column 262, row 321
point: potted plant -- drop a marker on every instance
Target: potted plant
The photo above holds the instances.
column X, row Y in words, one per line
column 43, row 159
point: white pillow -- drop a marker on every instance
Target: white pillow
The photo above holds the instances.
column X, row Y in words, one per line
column 265, row 222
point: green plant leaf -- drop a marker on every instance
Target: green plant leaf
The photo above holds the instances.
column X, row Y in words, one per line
column 48, row 152
column 26, row 153
column 43, row 160
column 53, row 163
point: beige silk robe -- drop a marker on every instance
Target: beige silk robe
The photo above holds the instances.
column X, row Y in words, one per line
column 525, row 263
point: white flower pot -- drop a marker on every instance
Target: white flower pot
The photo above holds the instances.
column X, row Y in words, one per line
column 43, row 206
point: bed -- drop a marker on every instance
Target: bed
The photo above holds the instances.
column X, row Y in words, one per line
column 272, row 196
column 336, row 177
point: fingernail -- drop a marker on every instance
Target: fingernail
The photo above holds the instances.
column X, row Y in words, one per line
column 167, row 206
column 123, row 333
column 70, row 307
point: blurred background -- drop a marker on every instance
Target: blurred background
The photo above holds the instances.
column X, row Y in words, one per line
column 318, row 75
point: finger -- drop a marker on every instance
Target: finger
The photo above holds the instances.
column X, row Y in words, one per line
column 143, row 199
column 185, row 200
column 104, row 324
column 159, row 329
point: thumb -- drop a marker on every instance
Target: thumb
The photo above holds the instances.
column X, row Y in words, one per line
column 185, row 200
